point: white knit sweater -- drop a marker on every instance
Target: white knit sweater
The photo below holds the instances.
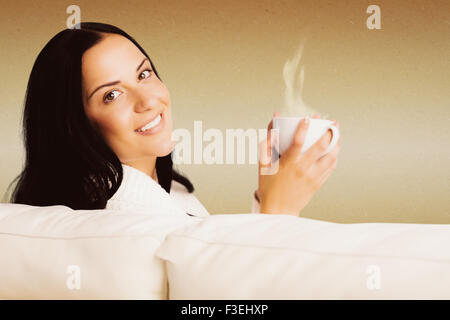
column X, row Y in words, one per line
column 140, row 193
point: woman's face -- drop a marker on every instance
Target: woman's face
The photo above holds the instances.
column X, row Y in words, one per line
column 121, row 94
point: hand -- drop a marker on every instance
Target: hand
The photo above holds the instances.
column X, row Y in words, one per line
column 299, row 175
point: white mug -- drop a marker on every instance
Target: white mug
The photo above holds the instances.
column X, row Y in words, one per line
column 287, row 126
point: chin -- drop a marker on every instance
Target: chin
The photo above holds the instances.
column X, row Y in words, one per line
column 166, row 148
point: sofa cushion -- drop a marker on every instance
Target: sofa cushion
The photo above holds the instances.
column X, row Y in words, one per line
column 248, row 256
column 55, row 252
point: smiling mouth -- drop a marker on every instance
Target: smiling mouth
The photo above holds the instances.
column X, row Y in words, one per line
column 150, row 125
column 153, row 127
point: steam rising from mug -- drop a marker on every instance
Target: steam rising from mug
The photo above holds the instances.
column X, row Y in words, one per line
column 294, row 80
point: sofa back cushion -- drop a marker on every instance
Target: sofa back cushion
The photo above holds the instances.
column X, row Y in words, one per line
column 55, row 252
column 248, row 256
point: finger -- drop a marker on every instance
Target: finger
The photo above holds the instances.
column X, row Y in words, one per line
column 270, row 125
column 263, row 156
column 294, row 150
column 316, row 116
column 317, row 149
column 323, row 163
column 327, row 173
column 269, row 138
column 267, row 144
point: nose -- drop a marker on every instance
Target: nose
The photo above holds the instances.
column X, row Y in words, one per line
column 145, row 99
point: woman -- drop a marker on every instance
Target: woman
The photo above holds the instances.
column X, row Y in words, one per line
column 97, row 131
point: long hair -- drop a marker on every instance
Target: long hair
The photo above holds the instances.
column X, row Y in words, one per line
column 67, row 160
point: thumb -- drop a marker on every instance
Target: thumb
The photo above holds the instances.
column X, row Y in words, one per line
column 294, row 150
column 263, row 155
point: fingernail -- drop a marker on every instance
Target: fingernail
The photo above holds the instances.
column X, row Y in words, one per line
column 306, row 120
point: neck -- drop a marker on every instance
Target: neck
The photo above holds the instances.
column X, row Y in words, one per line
column 148, row 166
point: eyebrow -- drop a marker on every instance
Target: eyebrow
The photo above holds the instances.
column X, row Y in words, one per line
column 114, row 82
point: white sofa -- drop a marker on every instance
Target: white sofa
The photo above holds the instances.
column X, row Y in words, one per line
column 58, row 253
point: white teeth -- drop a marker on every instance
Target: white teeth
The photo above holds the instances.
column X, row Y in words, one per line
column 151, row 124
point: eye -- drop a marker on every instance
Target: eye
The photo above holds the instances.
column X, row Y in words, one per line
column 148, row 71
column 110, row 94
column 106, row 100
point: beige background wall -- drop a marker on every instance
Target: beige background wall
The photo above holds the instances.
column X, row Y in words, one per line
column 222, row 62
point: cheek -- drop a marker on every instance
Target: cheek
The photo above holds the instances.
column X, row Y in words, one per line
column 168, row 119
column 165, row 95
column 113, row 124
